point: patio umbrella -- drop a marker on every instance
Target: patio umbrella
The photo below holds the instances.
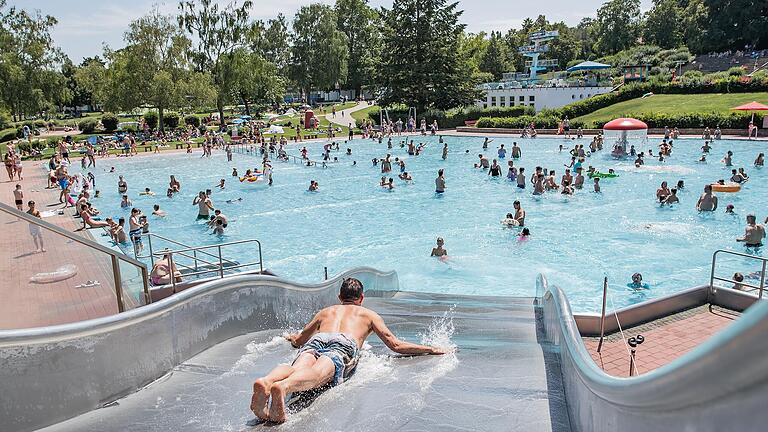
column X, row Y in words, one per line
column 752, row 106
column 245, row 117
column 238, row 121
column 588, row 65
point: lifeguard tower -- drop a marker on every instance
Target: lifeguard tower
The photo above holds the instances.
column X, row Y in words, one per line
column 537, row 46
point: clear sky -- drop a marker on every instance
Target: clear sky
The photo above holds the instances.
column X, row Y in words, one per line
column 85, row 25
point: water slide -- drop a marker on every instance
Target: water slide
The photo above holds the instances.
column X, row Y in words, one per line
column 188, row 362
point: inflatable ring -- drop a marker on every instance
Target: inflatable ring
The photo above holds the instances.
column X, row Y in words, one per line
column 598, row 174
column 730, row 187
column 250, row 179
column 64, row 272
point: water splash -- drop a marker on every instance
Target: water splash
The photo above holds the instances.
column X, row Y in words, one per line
column 256, row 350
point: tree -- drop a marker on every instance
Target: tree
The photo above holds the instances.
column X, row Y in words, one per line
column 29, row 63
column 734, row 24
column 495, row 59
column 319, row 52
column 616, row 25
column 276, row 43
column 218, row 32
column 357, row 20
column 662, row 24
column 422, row 64
column 252, row 79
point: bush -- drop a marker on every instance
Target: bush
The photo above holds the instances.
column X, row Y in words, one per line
column 150, row 118
column 52, row 142
column 109, row 121
column 456, row 117
column 171, row 120
column 192, row 120
column 5, row 119
column 87, row 126
column 8, row 134
column 39, row 145
column 130, row 129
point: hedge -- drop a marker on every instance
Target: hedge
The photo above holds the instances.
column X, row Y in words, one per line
column 87, row 126
column 654, row 120
column 454, row 118
column 192, row 120
column 171, row 120
column 150, row 118
column 110, row 122
column 8, row 134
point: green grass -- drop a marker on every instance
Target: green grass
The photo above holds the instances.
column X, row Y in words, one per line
column 362, row 115
column 674, row 104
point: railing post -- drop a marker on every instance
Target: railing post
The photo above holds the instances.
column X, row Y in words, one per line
column 145, row 281
column 602, row 314
column 261, row 266
column 194, row 254
column 170, row 270
column 221, row 264
column 151, row 254
column 762, row 281
column 325, row 269
column 118, row 283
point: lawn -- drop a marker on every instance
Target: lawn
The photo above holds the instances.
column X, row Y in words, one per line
column 362, row 115
column 674, row 104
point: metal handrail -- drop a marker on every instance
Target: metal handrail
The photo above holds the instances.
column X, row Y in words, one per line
column 114, row 256
column 218, row 266
column 713, row 278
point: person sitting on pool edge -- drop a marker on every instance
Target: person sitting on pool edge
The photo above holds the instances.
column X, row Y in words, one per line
column 329, row 348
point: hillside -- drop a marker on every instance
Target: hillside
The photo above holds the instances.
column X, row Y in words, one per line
column 674, row 104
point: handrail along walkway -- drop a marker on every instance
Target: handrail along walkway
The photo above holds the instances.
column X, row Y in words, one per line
column 760, row 288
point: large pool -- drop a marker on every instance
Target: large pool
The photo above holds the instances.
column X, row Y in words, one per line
column 351, row 221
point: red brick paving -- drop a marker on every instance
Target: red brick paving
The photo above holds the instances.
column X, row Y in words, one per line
column 665, row 340
column 25, row 304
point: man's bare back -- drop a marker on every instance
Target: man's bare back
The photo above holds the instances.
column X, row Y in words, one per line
column 328, row 351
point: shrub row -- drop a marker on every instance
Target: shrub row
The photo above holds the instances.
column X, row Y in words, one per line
column 457, row 117
column 733, row 120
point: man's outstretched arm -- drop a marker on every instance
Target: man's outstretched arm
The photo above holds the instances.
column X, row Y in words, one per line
column 397, row 345
column 299, row 339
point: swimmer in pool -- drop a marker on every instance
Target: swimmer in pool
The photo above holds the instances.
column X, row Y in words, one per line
column 440, row 182
column 671, row 198
column 329, row 348
column 524, row 235
column 439, row 251
column 754, row 233
column 509, row 221
column 637, row 281
column 519, row 213
column 597, row 184
column 405, row 176
column 221, row 184
column 147, row 192
column 157, row 212
column 707, row 201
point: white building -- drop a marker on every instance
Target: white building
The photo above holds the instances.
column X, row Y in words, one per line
column 539, row 97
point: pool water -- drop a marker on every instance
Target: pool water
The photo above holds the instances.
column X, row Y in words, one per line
column 351, row 221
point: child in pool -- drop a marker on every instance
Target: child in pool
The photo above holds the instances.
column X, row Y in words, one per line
column 524, row 235
column 637, row 282
column 439, row 251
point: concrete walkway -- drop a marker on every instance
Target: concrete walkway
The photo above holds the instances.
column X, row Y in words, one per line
column 344, row 117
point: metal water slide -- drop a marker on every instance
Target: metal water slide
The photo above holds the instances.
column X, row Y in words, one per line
column 720, row 385
column 188, row 363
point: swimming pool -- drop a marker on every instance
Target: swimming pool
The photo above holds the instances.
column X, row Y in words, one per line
column 351, row 221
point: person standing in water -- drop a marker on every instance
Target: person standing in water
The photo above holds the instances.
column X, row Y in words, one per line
column 440, row 182
column 753, row 234
column 439, row 251
column 445, row 151
column 204, row 205
column 707, row 201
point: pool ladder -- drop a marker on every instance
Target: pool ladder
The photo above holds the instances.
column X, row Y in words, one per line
column 197, row 261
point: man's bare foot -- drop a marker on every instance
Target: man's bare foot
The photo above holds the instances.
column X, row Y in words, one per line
column 260, row 399
column 277, row 410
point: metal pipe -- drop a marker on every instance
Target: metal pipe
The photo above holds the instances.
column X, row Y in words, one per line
column 762, row 281
column 602, row 314
column 118, row 284
column 221, row 264
column 325, row 269
column 261, row 266
column 632, row 362
column 170, row 270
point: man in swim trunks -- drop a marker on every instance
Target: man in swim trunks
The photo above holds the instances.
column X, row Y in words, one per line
column 329, row 348
column 519, row 214
column 753, row 234
column 34, row 230
column 440, row 182
column 204, row 205
column 707, row 200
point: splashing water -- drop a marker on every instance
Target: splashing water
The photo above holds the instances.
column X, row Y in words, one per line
column 256, row 350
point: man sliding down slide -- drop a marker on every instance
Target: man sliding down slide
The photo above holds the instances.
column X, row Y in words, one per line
column 328, row 352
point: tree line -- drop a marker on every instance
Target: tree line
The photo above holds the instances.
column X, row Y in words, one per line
column 415, row 53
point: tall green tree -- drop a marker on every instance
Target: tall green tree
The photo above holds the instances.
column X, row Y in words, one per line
column 218, row 32
column 734, row 24
column 422, row 64
column 495, row 59
column 319, row 53
column 252, row 79
column 662, row 24
column 276, row 45
column 617, row 25
column 29, row 63
column 358, row 22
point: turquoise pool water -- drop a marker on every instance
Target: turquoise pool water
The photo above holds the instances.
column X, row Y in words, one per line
column 351, row 221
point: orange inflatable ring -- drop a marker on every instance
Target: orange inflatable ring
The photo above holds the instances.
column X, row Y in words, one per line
column 730, row 187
